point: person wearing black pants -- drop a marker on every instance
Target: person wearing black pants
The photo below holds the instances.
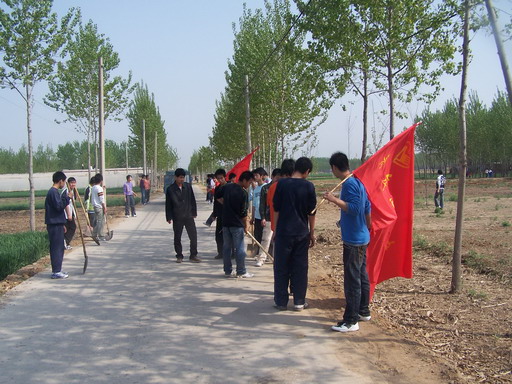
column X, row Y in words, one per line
column 294, row 200
column 220, row 175
column 55, row 219
column 181, row 210
column 70, row 215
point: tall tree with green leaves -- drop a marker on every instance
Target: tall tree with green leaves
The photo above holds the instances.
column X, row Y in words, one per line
column 143, row 108
column 31, row 36
column 73, row 90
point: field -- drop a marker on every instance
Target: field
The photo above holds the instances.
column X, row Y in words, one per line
column 466, row 337
column 460, row 338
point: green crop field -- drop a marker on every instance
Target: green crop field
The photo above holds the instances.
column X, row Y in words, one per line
column 20, row 249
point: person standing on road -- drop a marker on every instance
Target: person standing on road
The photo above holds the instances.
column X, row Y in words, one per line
column 88, row 205
column 220, row 175
column 256, row 217
column 70, row 215
column 181, row 210
column 100, row 208
column 234, row 223
column 147, row 188
column 355, row 233
column 142, row 190
column 439, row 195
column 264, row 210
column 55, row 220
column 294, row 200
column 129, row 197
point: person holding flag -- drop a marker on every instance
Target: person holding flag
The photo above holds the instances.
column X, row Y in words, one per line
column 355, row 226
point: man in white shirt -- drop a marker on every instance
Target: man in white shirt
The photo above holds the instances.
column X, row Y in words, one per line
column 100, row 208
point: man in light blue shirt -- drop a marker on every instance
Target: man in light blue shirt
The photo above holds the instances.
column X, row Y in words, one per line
column 258, row 173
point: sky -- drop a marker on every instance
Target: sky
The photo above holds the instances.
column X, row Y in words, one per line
column 180, row 49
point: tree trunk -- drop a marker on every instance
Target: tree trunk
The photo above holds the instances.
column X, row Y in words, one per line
column 89, row 152
column 456, row 260
column 390, row 84
column 499, row 46
column 32, row 203
column 365, row 116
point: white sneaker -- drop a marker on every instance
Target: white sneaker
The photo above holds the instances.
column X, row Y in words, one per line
column 344, row 327
column 300, row 307
column 60, row 275
column 364, row 318
column 127, row 216
column 259, row 263
column 68, row 247
column 246, row 275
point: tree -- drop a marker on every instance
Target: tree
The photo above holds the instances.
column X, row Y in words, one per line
column 144, row 108
column 73, row 90
column 398, row 45
column 31, row 36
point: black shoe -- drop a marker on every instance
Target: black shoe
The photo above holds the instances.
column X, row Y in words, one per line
column 179, row 259
column 281, row 307
column 218, row 257
column 195, row 259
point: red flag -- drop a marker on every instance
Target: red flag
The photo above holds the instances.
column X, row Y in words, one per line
column 389, row 180
column 242, row 165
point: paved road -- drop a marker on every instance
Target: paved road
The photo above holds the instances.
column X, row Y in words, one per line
column 138, row 317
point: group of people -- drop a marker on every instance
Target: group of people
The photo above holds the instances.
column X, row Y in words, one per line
column 282, row 209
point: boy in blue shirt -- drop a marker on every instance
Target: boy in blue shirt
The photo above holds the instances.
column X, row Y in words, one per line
column 355, row 232
column 55, row 219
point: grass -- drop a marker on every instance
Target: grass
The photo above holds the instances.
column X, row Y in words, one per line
column 21, row 249
column 478, row 262
column 505, row 223
column 22, row 206
column 477, row 295
column 452, row 198
column 43, row 192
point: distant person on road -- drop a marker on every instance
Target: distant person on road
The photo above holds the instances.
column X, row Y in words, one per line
column 181, row 210
column 147, row 188
column 70, row 214
column 55, row 220
column 439, row 195
column 355, row 226
column 129, row 197
column 235, row 223
column 100, row 208
column 88, row 205
column 220, row 175
column 256, row 218
column 142, row 190
column 294, row 200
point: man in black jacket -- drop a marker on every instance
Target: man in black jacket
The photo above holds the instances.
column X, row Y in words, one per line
column 180, row 207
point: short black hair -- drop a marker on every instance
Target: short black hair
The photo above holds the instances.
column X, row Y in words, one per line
column 179, row 172
column 303, row 164
column 439, row 172
column 128, row 177
column 98, row 178
column 260, row 171
column 276, row 172
column 220, row 171
column 92, row 180
column 247, row 175
column 340, row 160
column 287, row 167
column 58, row 176
column 232, row 175
column 71, row 180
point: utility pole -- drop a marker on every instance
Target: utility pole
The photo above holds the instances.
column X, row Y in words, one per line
column 144, row 169
column 247, row 118
column 499, row 46
column 126, row 149
column 101, row 119
column 156, row 164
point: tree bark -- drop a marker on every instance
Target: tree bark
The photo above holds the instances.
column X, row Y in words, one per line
column 32, row 202
column 365, row 116
column 390, row 84
column 456, row 260
column 499, row 46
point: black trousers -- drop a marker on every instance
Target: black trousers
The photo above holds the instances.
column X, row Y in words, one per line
column 190, row 226
column 56, row 237
column 219, row 237
column 258, row 234
column 70, row 231
column 290, row 266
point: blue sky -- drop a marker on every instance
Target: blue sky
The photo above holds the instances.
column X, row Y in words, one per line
column 180, row 50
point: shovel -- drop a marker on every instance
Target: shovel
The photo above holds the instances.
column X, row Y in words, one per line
column 88, row 230
column 110, row 233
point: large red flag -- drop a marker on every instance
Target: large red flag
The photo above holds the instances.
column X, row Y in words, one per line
column 242, row 165
column 389, row 180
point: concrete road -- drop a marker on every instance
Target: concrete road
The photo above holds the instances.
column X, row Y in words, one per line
column 136, row 316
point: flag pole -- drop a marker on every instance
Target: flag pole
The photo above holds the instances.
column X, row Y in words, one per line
column 331, row 191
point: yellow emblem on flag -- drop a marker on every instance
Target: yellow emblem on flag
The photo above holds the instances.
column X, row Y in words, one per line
column 383, row 162
column 386, row 181
column 403, row 158
column 392, row 202
column 389, row 244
